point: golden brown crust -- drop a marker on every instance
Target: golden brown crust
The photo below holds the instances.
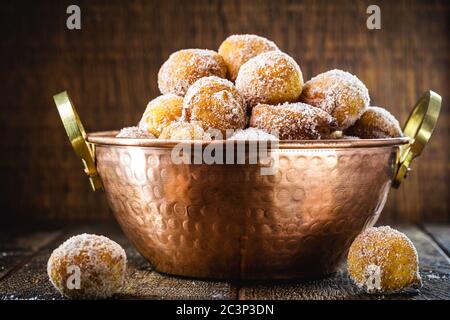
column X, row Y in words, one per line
column 293, row 121
column 184, row 67
column 339, row 93
column 272, row 77
column 376, row 123
column 216, row 104
column 238, row 49
column 160, row 112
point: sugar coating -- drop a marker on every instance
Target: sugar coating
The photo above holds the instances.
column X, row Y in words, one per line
column 184, row 131
column 271, row 77
column 134, row 133
column 293, row 121
column 101, row 261
column 335, row 135
column 252, row 134
column 186, row 66
column 160, row 112
column 339, row 93
column 383, row 260
column 239, row 48
column 376, row 123
column 216, row 104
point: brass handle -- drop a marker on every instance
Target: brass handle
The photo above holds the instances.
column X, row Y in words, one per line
column 419, row 127
column 77, row 136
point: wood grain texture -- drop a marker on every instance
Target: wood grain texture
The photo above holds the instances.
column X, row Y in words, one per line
column 30, row 281
column 110, row 67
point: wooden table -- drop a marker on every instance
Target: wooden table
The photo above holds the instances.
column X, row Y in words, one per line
column 24, row 255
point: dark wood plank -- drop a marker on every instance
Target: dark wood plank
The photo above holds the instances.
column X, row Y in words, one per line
column 441, row 234
column 31, row 280
column 434, row 268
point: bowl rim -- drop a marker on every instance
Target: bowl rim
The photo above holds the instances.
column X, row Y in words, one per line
column 108, row 138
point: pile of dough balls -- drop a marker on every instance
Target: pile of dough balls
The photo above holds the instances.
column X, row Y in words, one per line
column 87, row 266
column 250, row 83
column 383, row 260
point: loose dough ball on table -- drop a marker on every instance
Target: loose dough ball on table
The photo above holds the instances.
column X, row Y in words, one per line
column 99, row 262
column 344, row 137
column 375, row 123
column 239, row 48
column 272, row 77
column 184, row 131
column 293, row 121
column 339, row 93
column 251, row 134
column 215, row 104
column 160, row 112
column 184, row 67
column 383, row 260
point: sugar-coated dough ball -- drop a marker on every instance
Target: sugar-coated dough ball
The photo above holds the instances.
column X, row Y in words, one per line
column 293, row 121
column 383, row 260
column 252, row 134
column 184, row 67
column 239, row 48
column 99, row 262
column 215, row 104
column 339, row 93
column 375, row 123
column 160, row 112
column 184, row 131
column 272, row 78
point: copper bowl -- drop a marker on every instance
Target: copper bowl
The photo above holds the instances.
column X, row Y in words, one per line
column 230, row 221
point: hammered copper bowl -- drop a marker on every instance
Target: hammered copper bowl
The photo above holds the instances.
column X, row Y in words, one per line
column 229, row 221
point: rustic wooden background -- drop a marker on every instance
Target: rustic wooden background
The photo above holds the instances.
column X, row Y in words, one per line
column 110, row 66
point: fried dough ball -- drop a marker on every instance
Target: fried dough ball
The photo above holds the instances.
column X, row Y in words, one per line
column 383, row 260
column 293, row 121
column 339, row 135
column 216, row 104
column 99, row 262
column 375, row 123
column 160, row 112
column 184, row 67
column 239, row 48
column 272, row 78
column 339, row 93
column 184, row 131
